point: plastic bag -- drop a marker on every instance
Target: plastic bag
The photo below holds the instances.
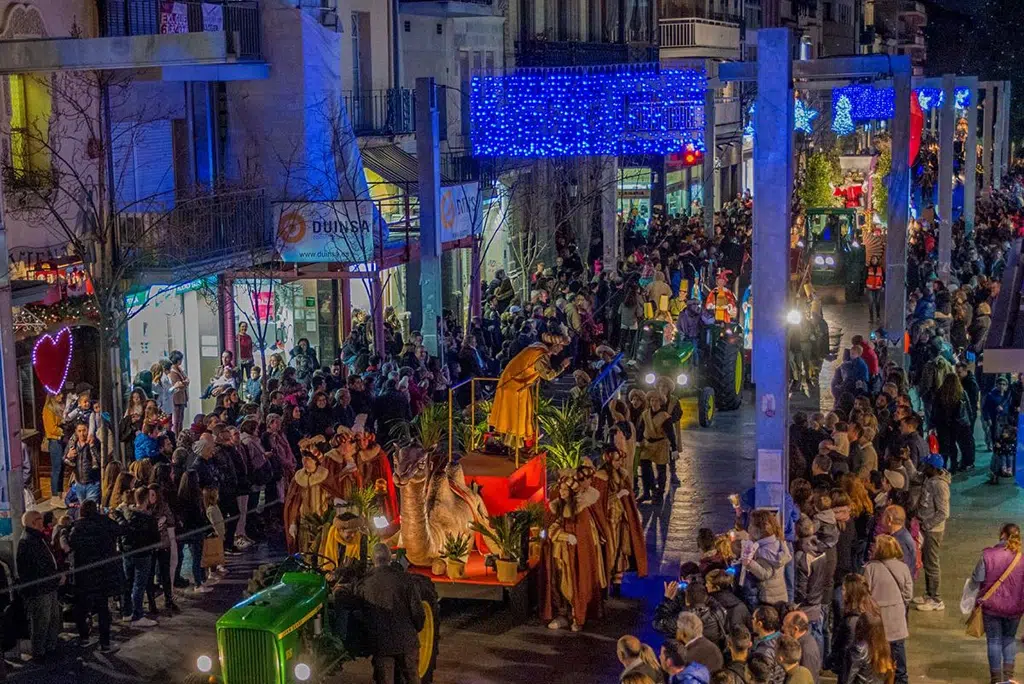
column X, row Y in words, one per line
column 969, row 597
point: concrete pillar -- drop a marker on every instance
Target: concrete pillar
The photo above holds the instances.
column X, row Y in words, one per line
column 971, row 157
column 947, row 124
column 609, row 219
column 429, row 158
column 898, row 211
column 988, row 119
column 346, row 308
column 12, row 504
column 709, row 152
column 773, row 159
column 413, row 296
column 1004, row 110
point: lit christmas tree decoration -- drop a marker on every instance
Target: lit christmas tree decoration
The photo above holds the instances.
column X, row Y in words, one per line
column 842, row 121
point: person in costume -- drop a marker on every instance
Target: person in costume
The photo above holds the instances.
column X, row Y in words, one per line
column 343, row 541
column 721, row 302
column 654, row 446
column 309, row 493
column 623, row 435
column 340, row 462
column 512, row 413
column 576, row 566
column 375, row 470
column 627, row 548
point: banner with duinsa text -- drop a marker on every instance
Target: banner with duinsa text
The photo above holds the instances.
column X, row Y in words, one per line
column 325, row 231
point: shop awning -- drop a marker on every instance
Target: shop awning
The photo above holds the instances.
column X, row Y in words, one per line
column 396, row 166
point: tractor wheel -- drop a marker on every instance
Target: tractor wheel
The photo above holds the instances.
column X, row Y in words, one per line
column 706, row 407
column 726, row 375
column 430, row 635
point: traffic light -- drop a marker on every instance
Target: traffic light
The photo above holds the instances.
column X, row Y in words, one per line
column 688, row 157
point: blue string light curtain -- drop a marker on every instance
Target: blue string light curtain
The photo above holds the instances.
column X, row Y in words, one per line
column 873, row 104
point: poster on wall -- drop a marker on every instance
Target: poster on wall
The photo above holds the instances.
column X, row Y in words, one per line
column 325, row 231
column 213, row 17
column 173, row 17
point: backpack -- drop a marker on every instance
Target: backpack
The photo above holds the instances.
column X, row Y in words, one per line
column 715, row 621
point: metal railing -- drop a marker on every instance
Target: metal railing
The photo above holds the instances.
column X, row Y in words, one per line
column 685, row 33
column 691, row 9
column 197, row 229
column 381, row 112
column 239, row 18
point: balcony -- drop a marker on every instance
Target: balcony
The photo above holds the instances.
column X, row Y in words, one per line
column 913, row 12
column 699, row 38
column 694, row 9
column 540, row 53
column 912, row 42
column 205, row 229
column 240, row 19
column 381, row 112
column 448, row 8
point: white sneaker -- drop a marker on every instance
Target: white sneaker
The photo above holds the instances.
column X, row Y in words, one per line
column 918, row 600
column 931, row 604
column 144, row 622
column 202, row 589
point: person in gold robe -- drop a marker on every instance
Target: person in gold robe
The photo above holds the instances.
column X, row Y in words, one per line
column 575, row 567
column 340, row 462
column 654, row 448
column 309, row 493
column 512, row 414
column 626, row 545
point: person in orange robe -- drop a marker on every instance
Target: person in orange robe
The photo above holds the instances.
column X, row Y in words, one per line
column 309, row 493
column 575, row 568
column 340, row 463
column 627, row 549
column 375, row 469
column 513, row 409
column 721, row 302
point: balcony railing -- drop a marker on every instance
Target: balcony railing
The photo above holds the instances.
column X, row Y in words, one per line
column 693, row 9
column 381, row 112
column 718, row 38
column 239, row 18
column 536, row 53
column 198, row 229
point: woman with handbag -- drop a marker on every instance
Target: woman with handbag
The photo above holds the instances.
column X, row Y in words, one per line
column 998, row 579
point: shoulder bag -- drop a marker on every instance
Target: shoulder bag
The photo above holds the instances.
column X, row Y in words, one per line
column 975, row 626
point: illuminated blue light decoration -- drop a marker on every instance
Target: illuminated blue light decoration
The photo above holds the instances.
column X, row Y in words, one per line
column 842, row 121
column 872, row 104
column 748, row 130
column 559, row 112
column 804, row 116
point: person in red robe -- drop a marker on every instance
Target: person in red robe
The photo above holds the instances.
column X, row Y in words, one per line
column 375, row 469
column 721, row 302
column 340, row 463
column 575, row 567
column 627, row 549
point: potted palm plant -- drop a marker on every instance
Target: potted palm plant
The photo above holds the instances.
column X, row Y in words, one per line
column 454, row 551
column 506, row 534
column 565, row 436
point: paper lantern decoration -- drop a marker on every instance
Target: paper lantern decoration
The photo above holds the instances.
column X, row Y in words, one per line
column 916, row 126
column 51, row 359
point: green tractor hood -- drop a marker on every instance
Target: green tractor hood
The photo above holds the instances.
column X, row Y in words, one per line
column 281, row 608
column 669, row 359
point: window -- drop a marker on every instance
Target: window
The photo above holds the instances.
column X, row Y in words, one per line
column 31, row 106
column 830, row 14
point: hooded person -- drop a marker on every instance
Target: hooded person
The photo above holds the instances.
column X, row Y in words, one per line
column 627, row 547
column 310, row 492
column 657, row 290
column 375, row 471
column 340, row 462
column 575, row 568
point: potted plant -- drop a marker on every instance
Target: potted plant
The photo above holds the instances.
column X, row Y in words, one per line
column 506, row 533
column 454, row 551
column 533, row 516
column 564, row 435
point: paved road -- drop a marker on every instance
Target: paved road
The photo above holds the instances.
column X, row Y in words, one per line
column 481, row 645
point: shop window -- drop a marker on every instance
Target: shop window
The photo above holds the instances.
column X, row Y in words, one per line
column 31, row 106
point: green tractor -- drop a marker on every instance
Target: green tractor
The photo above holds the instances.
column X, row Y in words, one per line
column 298, row 629
column 707, row 374
column 833, row 252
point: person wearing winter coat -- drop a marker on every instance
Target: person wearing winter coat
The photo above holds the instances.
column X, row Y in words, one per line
column 892, row 587
column 814, row 576
column 1001, row 612
column 719, row 584
column 93, row 542
column 932, row 511
column 766, row 563
column 39, row 579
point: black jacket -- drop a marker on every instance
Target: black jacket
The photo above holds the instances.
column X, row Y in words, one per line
column 138, row 531
column 97, row 570
column 388, row 409
column 815, row 573
column 86, row 461
column 208, row 473
column 228, row 461
column 736, row 611
column 394, row 611
column 36, row 565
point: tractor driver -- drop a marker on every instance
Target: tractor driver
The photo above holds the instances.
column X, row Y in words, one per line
column 692, row 320
column 344, row 542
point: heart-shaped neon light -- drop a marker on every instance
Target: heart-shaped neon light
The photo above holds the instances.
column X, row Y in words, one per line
column 51, row 359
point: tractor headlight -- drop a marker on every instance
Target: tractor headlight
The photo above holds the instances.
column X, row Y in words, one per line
column 819, row 260
column 829, row 261
column 682, row 379
column 794, row 317
column 650, row 378
column 204, row 663
column 302, row 672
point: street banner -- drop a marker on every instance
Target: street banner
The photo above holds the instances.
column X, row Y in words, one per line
column 173, row 17
column 461, row 211
column 325, row 231
column 213, row 17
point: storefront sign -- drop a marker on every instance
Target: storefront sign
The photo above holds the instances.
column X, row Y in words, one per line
column 461, row 211
column 138, row 299
column 173, row 17
column 325, row 231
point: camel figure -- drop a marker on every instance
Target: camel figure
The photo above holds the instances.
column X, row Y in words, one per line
column 435, row 502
